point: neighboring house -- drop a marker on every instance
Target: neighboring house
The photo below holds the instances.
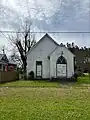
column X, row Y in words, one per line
column 48, row 59
column 5, row 64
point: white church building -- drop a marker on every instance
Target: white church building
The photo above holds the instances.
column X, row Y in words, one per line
column 48, row 59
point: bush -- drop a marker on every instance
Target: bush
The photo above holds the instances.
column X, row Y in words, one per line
column 74, row 77
column 31, row 75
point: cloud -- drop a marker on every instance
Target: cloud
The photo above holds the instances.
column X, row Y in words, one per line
column 69, row 15
column 48, row 15
column 72, row 15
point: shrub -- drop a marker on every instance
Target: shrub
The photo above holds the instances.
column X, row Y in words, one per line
column 31, row 75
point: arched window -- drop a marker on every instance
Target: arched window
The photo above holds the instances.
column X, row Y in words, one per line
column 61, row 60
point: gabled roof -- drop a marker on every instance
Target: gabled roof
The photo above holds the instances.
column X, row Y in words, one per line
column 46, row 35
column 61, row 45
column 3, row 57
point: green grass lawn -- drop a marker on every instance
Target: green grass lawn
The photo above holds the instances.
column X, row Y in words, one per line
column 31, row 83
column 43, row 100
column 82, row 80
column 45, row 83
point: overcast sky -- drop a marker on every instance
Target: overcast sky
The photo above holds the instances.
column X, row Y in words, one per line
column 48, row 15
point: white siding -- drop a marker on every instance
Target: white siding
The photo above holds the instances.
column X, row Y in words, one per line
column 68, row 56
column 40, row 53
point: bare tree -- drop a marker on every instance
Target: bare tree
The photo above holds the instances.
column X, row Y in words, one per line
column 24, row 41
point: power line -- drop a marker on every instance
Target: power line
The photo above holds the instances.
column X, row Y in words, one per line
column 46, row 32
column 4, row 35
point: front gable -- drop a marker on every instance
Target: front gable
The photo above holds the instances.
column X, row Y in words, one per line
column 44, row 46
column 58, row 65
column 63, row 48
column 3, row 58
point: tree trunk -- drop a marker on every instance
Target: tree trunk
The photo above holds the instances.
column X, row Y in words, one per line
column 25, row 69
column 25, row 62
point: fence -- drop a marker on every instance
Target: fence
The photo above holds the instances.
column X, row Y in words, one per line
column 8, row 76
